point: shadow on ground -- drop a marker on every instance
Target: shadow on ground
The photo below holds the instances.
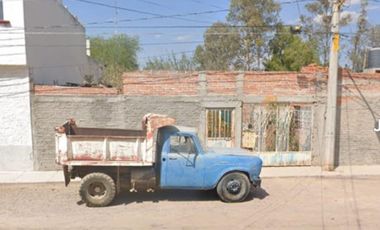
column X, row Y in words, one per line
column 126, row 198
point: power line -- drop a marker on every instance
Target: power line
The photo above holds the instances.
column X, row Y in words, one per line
column 203, row 3
column 134, row 10
column 160, row 17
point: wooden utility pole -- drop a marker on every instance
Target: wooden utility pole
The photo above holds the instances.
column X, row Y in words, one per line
column 332, row 90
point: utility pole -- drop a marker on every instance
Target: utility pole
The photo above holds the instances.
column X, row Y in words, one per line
column 332, row 90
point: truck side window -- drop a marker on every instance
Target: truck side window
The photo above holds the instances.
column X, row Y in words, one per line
column 181, row 144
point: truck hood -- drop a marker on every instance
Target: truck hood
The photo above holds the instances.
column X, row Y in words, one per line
column 230, row 151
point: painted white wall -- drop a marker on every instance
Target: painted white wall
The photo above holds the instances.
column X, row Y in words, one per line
column 12, row 39
column 16, row 152
column 55, row 43
column 44, row 35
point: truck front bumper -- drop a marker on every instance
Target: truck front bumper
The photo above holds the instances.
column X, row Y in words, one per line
column 256, row 182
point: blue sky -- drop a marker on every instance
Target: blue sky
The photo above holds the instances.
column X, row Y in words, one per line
column 156, row 41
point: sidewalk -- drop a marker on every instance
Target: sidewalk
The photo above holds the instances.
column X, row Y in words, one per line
column 267, row 172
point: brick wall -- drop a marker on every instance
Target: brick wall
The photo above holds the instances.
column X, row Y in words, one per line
column 185, row 97
column 160, row 83
column 219, row 83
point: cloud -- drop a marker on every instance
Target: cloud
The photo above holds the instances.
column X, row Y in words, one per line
column 183, row 38
column 353, row 2
column 157, row 35
column 373, row 7
column 354, row 17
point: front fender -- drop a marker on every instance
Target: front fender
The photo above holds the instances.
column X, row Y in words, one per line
column 211, row 183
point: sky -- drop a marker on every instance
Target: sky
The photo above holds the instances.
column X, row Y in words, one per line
column 157, row 36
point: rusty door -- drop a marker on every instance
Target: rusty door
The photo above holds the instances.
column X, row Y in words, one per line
column 220, row 127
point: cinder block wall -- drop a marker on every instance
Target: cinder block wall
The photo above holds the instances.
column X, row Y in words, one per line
column 98, row 111
column 359, row 111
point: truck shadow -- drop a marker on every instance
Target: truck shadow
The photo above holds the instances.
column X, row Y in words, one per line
column 126, row 198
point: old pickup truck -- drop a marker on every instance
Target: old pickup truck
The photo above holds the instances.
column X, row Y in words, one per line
column 160, row 156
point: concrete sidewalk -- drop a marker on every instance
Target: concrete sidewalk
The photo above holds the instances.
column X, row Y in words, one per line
column 267, row 172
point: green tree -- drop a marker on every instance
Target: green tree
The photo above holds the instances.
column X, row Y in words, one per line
column 288, row 52
column 255, row 19
column 374, row 36
column 118, row 54
column 183, row 63
column 221, row 44
column 360, row 39
column 317, row 26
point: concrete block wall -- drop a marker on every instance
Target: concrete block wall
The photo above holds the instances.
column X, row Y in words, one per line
column 99, row 111
column 359, row 110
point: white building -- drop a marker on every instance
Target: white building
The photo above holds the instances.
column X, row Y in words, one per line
column 46, row 37
column 43, row 43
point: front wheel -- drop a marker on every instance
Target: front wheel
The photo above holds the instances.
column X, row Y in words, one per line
column 233, row 187
column 97, row 189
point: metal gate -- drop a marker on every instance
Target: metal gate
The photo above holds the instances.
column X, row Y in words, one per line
column 220, row 127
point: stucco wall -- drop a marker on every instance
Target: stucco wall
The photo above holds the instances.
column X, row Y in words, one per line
column 15, row 133
column 55, row 43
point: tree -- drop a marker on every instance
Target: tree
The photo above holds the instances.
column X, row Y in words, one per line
column 288, row 52
column 318, row 26
column 360, row 39
column 221, row 44
column 184, row 63
column 254, row 19
column 118, row 54
column 374, row 36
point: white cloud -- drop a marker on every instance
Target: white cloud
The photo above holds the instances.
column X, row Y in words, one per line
column 157, row 35
column 353, row 2
column 183, row 38
column 373, row 7
column 354, row 16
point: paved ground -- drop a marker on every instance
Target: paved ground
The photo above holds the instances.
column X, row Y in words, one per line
column 283, row 203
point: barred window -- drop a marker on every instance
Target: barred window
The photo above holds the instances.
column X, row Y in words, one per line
column 219, row 122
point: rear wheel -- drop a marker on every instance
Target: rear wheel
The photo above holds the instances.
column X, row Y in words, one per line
column 233, row 187
column 97, row 190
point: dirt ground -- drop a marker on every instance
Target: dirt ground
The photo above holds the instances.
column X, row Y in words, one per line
column 282, row 203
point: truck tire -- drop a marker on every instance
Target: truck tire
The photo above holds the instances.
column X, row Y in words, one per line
column 97, row 190
column 233, row 187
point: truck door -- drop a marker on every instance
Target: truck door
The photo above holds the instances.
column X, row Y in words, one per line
column 182, row 164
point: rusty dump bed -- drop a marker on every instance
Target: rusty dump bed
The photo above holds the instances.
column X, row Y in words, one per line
column 104, row 147
column 77, row 131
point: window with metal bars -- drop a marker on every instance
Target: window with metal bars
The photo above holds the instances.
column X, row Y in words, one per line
column 219, row 123
column 277, row 128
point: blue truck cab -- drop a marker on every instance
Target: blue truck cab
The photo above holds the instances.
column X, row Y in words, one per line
column 185, row 164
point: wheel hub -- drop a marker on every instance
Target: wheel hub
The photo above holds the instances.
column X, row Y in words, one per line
column 97, row 190
column 233, row 187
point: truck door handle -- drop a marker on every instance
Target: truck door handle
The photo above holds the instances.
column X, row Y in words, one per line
column 172, row 158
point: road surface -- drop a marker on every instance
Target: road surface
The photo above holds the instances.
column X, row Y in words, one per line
column 282, row 203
